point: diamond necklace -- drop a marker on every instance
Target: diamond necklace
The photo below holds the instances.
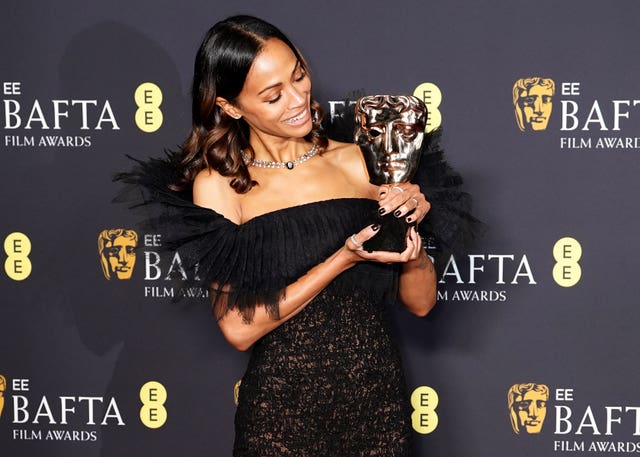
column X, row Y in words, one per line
column 271, row 164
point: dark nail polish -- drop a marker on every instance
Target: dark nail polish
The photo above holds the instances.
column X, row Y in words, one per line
column 381, row 211
column 382, row 194
column 409, row 219
column 375, row 227
column 397, row 213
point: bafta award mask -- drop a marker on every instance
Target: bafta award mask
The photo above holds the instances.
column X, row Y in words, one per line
column 389, row 131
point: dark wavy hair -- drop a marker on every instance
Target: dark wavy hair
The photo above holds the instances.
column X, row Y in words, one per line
column 217, row 140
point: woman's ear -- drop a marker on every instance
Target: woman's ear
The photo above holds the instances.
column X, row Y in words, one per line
column 228, row 108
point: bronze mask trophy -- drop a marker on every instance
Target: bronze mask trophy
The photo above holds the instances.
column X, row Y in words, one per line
column 389, row 131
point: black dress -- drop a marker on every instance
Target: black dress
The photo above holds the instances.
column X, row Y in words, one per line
column 328, row 382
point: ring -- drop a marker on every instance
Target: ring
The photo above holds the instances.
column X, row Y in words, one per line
column 356, row 242
column 399, row 188
column 415, row 200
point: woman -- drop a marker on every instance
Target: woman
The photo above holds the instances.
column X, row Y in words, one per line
column 286, row 216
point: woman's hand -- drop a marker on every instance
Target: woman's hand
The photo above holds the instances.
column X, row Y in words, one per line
column 353, row 246
column 401, row 199
column 417, row 280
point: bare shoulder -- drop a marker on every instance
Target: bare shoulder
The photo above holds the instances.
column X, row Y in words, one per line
column 343, row 151
column 347, row 156
column 212, row 190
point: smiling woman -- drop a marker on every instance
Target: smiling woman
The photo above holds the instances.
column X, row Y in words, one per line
column 259, row 75
column 276, row 94
column 276, row 225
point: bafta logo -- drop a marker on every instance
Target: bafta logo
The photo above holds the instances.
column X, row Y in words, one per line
column 527, row 407
column 3, row 387
column 532, row 102
column 116, row 248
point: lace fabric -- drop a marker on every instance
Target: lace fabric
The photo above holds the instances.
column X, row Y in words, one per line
column 328, row 382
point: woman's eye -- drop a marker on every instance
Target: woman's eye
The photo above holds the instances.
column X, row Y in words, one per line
column 301, row 76
column 274, row 100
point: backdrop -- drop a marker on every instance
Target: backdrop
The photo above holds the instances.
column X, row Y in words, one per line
column 532, row 348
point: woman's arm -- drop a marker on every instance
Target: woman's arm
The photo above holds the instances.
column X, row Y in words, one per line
column 417, row 282
column 243, row 335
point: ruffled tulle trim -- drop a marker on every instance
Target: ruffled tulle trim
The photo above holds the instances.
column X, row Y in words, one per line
column 249, row 265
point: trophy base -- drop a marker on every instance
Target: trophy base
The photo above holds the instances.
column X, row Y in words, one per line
column 391, row 236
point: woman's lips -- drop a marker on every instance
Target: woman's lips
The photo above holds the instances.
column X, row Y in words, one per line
column 301, row 118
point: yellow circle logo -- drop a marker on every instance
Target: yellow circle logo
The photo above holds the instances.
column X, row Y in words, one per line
column 153, row 395
column 424, row 418
column 431, row 95
column 567, row 271
column 148, row 97
column 17, row 247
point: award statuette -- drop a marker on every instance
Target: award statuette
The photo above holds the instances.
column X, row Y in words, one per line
column 389, row 131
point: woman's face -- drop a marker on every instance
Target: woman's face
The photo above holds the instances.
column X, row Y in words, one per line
column 275, row 98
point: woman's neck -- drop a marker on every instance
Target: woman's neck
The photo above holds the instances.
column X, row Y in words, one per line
column 273, row 149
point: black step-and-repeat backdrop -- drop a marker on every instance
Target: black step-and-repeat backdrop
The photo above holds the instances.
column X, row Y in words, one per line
column 532, row 348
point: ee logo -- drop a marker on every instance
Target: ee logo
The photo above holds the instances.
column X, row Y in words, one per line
column 148, row 99
column 17, row 246
column 424, row 418
column 567, row 271
column 153, row 395
column 431, row 95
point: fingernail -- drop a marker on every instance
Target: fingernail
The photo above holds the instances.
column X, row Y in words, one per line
column 375, row 227
column 409, row 219
column 382, row 194
column 397, row 213
column 381, row 211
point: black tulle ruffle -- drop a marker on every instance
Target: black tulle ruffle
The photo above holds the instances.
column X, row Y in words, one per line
column 249, row 265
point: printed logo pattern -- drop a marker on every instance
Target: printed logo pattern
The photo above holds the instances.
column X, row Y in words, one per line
column 116, row 248
column 3, row 388
column 153, row 396
column 527, row 407
column 532, row 101
column 424, row 418
column 431, row 95
column 17, row 246
column 148, row 97
column 567, row 271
